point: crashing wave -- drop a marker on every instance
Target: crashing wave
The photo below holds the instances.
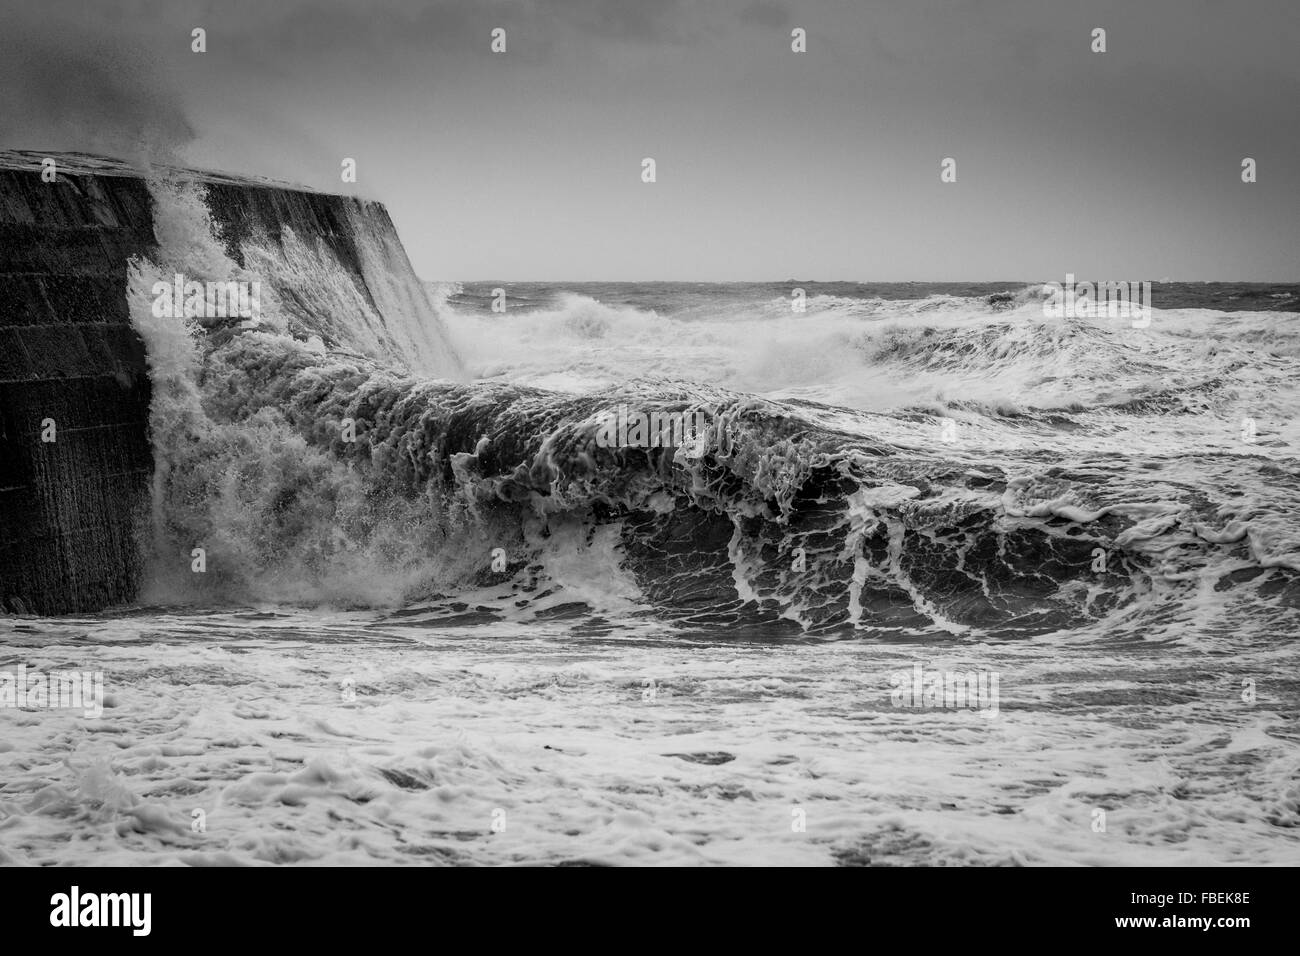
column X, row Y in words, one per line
column 313, row 459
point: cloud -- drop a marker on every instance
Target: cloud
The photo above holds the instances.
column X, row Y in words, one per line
column 764, row 13
column 636, row 21
column 68, row 88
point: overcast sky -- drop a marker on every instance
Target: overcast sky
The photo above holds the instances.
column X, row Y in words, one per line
column 771, row 164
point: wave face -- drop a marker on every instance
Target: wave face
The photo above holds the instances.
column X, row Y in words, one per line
column 928, row 463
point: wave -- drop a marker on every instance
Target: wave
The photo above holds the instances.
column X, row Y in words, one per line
column 991, row 352
column 316, row 463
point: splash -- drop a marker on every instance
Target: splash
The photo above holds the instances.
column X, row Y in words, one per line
column 276, row 517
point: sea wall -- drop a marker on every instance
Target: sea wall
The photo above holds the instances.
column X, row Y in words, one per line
column 76, row 463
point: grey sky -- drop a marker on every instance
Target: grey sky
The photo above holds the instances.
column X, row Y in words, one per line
column 771, row 164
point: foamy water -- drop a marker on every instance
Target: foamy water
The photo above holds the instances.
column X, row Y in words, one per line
column 314, row 737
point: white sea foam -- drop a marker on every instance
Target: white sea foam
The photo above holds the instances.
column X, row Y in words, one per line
column 636, row 748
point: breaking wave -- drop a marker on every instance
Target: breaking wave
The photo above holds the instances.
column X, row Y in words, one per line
column 944, row 464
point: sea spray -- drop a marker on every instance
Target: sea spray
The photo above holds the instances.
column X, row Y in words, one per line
column 278, row 517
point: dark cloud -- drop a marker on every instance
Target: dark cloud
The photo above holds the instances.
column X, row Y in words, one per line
column 750, row 136
column 71, row 89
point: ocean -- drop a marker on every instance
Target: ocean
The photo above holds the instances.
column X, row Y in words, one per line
column 933, row 578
